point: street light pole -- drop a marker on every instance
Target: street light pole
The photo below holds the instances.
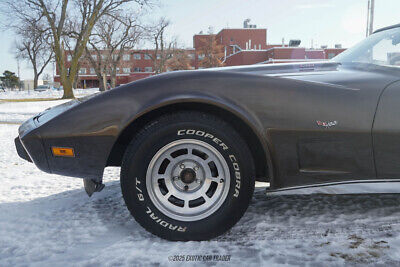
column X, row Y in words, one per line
column 367, row 31
column 371, row 17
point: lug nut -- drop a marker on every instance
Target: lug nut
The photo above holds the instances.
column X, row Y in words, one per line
column 198, row 181
column 175, row 178
column 182, row 166
column 221, row 181
column 196, row 168
column 186, row 188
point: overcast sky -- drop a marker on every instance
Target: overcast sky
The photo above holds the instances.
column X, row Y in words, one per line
column 326, row 22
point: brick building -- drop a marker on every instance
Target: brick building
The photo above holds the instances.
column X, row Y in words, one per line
column 243, row 46
column 134, row 65
column 248, row 46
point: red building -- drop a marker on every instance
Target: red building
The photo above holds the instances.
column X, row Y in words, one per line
column 244, row 46
column 283, row 54
column 134, row 65
column 248, row 46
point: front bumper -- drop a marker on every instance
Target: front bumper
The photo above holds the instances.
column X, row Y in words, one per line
column 21, row 150
column 29, row 145
column 61, row 126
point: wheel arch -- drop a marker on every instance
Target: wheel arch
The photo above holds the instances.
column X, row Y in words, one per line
column 239, row 122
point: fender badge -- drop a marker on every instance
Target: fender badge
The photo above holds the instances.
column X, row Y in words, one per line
column 327, row 124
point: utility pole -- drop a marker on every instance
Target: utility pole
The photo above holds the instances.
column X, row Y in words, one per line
column 370, row 17
column 367, row 31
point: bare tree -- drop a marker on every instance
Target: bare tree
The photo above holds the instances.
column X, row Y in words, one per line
column 126, row 35
column 210, row 51
column 180, row 60
column 112, row 38
column 32, row 45
column 163, row 49
column 98, row 61
column 67, row 19
column 46, row 77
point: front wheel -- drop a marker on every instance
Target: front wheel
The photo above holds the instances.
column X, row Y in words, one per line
column 187, row 176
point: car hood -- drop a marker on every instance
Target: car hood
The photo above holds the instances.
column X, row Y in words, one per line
column 354, row 76
column 281, row 69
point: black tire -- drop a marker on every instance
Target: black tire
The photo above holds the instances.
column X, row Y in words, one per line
column 163, row 131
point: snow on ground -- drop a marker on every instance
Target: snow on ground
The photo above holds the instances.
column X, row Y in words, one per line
column 15, row 94
column 48, row 220
column 18, row 112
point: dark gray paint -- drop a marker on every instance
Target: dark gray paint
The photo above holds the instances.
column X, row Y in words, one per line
column 280, row 103
column 386, row 133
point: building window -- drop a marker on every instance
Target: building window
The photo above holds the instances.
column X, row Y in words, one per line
column 147, row 56
column 92, row 71
column 191, row 56
column 126, row 57
column 104, row 57
column 82, row 71
column 148, row 69
column 136, row 69
column 115, row 57
column 331, row 55
column 201, row 56
column 117, row 70
column 158, row 56
column 69, row 57
column 94, row 57
column 137, row 56
column 126, row 70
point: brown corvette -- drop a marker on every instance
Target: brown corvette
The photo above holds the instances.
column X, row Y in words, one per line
column 191, row 144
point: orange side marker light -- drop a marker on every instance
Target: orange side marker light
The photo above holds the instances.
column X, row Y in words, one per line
column 63, row 151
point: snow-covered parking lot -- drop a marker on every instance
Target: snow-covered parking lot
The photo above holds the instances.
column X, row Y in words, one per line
column 48, row 220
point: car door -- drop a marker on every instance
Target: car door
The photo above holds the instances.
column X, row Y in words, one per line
column 324, row 136
column 386, row 133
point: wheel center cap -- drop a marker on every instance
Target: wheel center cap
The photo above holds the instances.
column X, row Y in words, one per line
column 187, row 176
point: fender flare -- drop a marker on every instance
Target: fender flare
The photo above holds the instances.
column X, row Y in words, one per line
column 237, row 110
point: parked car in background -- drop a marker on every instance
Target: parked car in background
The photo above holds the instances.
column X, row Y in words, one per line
column 56, row 88
column 42, row 88
column 191, row 144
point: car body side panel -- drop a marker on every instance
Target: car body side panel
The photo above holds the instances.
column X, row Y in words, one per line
column 310, row 154
column 97, row 123
column 386, row 133
column 282, row 111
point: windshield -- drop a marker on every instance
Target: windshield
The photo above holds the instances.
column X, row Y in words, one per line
column 382, row 48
